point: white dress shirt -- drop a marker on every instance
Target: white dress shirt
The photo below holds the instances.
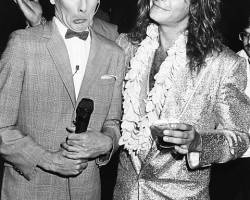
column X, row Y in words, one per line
column 243, row 54
column 78, row 51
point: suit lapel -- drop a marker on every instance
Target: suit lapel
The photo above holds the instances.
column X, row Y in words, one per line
column 59, row 54
column 192, row 85
column 94, row 65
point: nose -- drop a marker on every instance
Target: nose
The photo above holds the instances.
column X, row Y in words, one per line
column 82, row 5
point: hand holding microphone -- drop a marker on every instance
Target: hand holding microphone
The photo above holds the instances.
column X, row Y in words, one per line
column 83, row 143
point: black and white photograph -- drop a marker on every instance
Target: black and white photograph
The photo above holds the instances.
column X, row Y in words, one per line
column 125, row 100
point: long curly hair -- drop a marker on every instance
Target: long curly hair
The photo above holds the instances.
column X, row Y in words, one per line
column 203, row 37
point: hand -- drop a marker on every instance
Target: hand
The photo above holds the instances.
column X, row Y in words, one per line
column 57, row 163
column 32, row 10
column 184, row 136
column 88, row 145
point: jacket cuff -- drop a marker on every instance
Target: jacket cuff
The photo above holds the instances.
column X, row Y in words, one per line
column 33, row 156
column 112, row 130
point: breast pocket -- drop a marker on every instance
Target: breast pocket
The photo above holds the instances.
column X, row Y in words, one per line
column 104, row 88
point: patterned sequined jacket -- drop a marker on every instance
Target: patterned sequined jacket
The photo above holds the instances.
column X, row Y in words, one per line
column 219, row 110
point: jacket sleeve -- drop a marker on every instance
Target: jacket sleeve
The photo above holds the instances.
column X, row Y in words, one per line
column 111, row 125
column 17, row 148
column 232, row 110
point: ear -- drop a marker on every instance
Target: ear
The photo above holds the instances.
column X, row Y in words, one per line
column 52, row 2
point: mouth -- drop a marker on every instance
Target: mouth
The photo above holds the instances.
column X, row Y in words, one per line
column 79, row 21
column 160, row 7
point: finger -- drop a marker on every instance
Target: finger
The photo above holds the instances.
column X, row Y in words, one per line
column 175, row 140
column 79, row 161
column 181, row 150
column 174, row 126
column 177, row 134
column 73, row 142
column 21, row 4
column 69, row 148
column 83, row 166
column 24, row 5
column 84, row 160
column 179, row 126
column 75, row 156
column 71, row 129
column 72, row 155
column 184, row 146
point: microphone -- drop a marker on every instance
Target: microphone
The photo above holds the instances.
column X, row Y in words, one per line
column 77, row 68
column 83, row 113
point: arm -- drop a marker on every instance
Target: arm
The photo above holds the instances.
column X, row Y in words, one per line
column 16, row 147
column 111, row 126
column 233, row 114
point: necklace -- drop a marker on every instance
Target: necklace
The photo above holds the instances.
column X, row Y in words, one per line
column 136, row 135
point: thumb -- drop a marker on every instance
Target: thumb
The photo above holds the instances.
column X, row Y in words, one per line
column 71, row 129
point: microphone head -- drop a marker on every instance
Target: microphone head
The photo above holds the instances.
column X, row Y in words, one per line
column 83, row 113
column 85, row 105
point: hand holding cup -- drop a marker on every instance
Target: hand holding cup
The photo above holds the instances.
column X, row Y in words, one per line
column 179, row 136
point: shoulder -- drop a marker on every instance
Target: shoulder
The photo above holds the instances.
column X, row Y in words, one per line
column 242, row 53
column 226, row 64
column 106, row 29
column 29, row 34
column 108, row 45
column 226, row 59
column 128, row 48
column 229, row 55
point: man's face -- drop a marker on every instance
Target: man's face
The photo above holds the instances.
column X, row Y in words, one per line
column 76, row 15
column 170, row 12
column 245, row 38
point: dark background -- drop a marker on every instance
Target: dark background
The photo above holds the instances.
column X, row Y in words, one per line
column 122, row 13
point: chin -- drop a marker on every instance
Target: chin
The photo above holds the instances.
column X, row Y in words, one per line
column 158, row 15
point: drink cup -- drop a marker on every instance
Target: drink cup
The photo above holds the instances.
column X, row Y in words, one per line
column 157, row 134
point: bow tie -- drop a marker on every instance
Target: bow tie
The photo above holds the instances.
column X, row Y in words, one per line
column 81, row 35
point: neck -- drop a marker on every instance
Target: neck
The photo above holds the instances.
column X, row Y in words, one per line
column 168, row 35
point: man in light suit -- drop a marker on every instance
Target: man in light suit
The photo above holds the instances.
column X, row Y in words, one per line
column 44, row 73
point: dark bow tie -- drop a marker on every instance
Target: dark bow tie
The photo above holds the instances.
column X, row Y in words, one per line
column 82, row 35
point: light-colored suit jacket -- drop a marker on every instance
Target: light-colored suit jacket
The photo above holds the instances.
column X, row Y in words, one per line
column 37, row 103
column 243, row 54
column 106, row 29
column 214, row 97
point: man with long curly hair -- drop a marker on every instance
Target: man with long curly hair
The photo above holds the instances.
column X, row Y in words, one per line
column 184, row 102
